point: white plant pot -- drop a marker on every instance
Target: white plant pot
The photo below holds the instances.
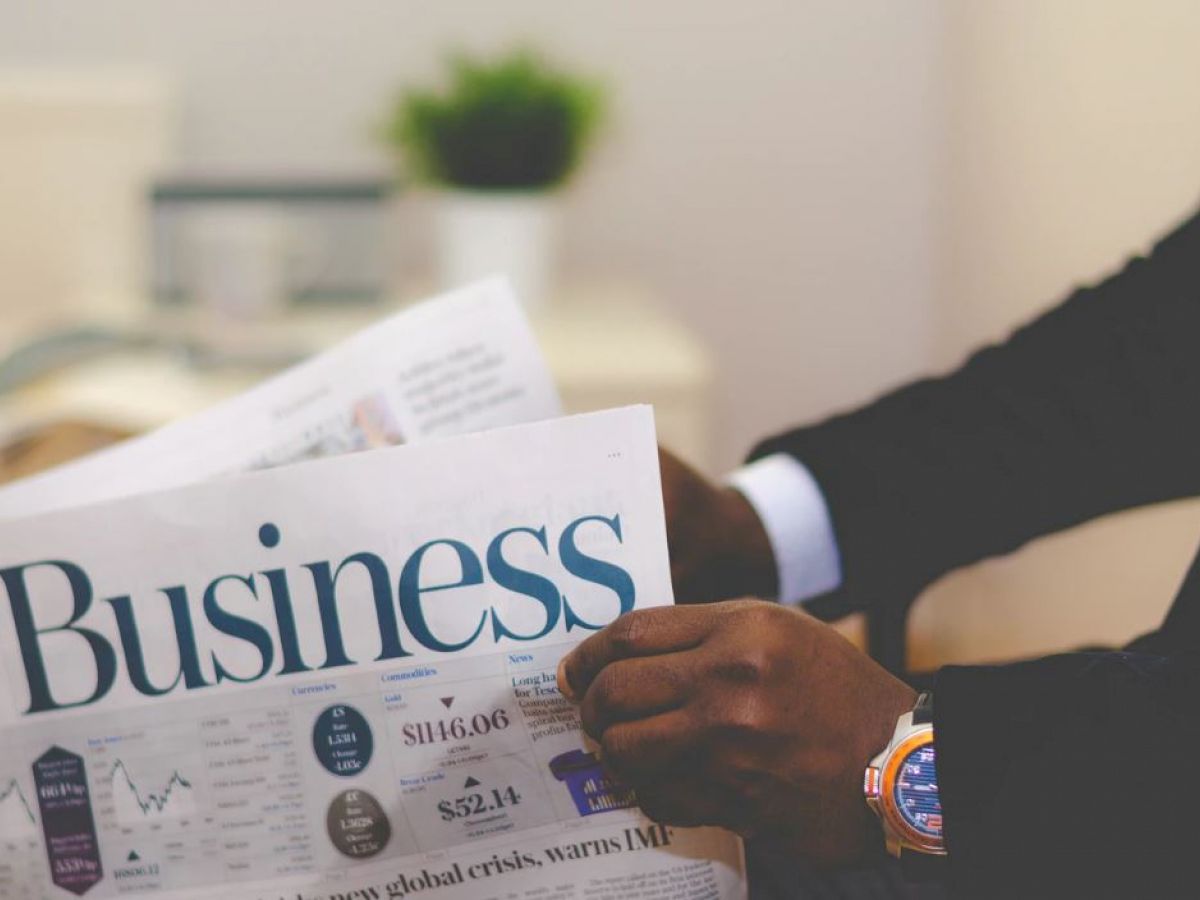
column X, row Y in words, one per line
column 482, row 233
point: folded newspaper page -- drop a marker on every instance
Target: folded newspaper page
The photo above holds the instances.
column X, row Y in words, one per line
column 336, row 679
column 464, row 362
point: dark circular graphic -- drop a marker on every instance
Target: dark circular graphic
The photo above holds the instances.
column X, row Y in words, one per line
column 342, row 740
column 357, row 825
column 268, row 534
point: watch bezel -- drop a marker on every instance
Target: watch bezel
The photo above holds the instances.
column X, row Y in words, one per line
column 908, row 835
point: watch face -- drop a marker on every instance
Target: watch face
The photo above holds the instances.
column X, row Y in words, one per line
column 916, row 793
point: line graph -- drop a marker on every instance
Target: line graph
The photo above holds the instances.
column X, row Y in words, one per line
column 16, row 814
column 132, row 803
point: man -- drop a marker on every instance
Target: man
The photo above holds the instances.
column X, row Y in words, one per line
column 1074, row 775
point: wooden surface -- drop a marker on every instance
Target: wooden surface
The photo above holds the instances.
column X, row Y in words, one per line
column 52, row 445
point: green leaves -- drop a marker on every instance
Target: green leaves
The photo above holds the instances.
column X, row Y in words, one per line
column 513, row 123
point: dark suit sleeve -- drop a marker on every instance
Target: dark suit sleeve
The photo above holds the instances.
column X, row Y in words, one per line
column 1090, row 409
column 1071, row 776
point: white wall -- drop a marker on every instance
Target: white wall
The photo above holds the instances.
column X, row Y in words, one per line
column 768, row 167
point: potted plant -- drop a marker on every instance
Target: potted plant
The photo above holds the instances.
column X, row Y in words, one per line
column 497, row 141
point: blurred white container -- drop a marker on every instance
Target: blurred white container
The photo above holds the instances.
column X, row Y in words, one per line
column 512, row 233
column 78, row 151
column 245, row 261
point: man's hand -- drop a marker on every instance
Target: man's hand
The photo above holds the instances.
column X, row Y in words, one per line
column 718, row 546
column 743, row 714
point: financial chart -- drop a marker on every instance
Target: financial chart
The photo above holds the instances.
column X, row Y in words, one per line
column 327, row 775
column 22, row 860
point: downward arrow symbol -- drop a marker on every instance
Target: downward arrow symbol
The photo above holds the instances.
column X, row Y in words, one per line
column 446, row 701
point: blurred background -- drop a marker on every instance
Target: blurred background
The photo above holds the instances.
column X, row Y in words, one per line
column 784, row 208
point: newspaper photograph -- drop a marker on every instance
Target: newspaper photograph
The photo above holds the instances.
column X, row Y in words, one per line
column 463, row 362
column 336, row 679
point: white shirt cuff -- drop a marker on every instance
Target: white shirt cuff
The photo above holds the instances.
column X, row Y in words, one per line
column 794, row 514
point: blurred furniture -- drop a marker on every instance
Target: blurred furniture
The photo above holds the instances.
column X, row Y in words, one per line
column 78, row 151
column 336, row 231
column 615, row 346
column 50, row 445
column 605, row 345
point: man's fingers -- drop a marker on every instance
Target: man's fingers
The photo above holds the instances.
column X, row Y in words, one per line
column 643, row 632
column 647, row 748
column 635, row 689
column 685, row 802
column 657, row 758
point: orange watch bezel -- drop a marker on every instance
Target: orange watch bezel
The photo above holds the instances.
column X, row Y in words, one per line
column 909, row 836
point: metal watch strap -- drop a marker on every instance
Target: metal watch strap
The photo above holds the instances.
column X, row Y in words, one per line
column 922, row 713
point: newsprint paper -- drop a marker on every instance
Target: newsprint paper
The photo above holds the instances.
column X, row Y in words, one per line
column 336, row 679
column 463, row 362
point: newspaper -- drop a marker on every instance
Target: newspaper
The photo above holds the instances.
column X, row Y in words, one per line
column 336, row 679
column 259, row 687
column 464, row 362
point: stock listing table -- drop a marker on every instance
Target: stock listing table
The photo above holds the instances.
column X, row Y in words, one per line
column 311, row 778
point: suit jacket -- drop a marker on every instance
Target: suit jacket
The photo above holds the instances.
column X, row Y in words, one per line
column 1075, row 775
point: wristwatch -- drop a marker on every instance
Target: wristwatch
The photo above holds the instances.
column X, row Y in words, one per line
column 901, row 787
